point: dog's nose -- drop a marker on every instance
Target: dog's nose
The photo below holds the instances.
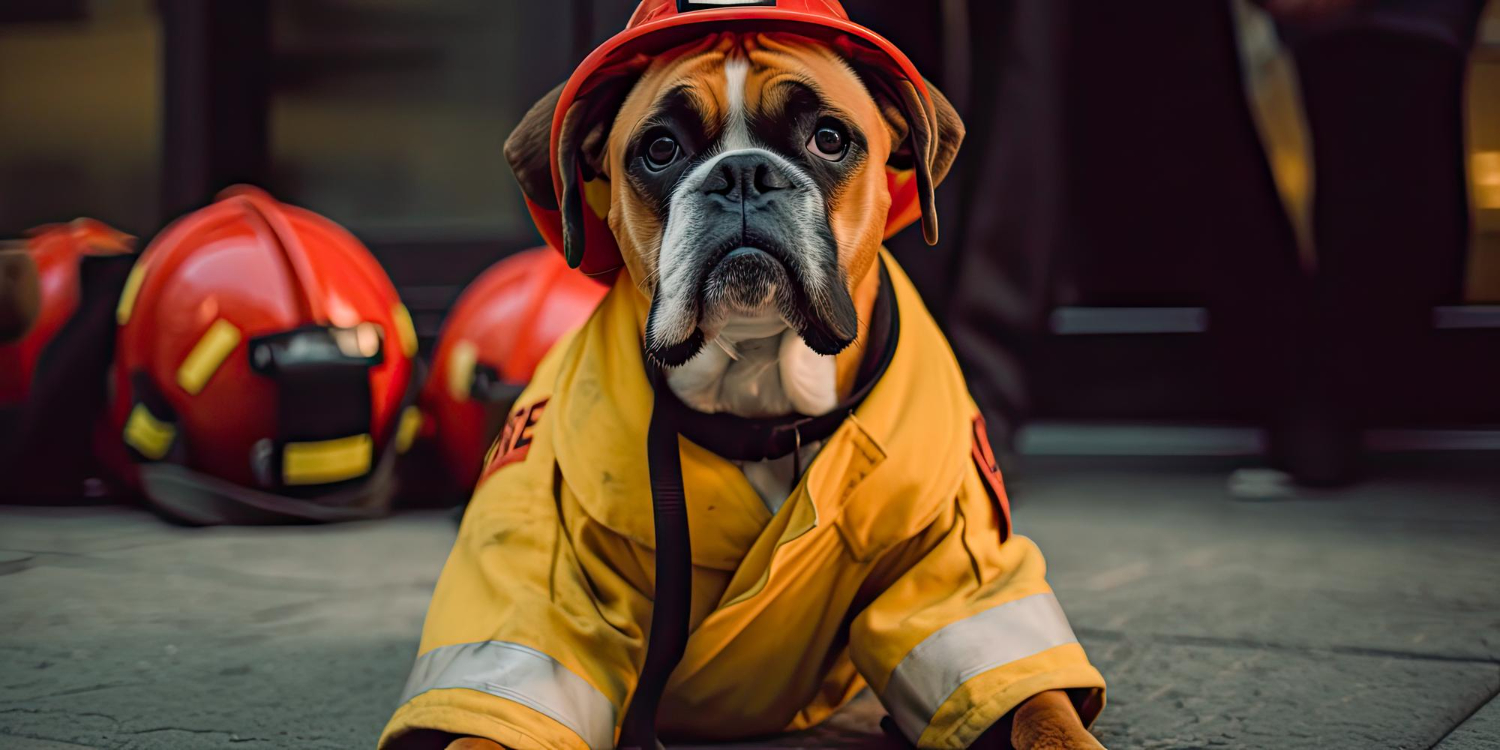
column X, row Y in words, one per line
column 746, row 178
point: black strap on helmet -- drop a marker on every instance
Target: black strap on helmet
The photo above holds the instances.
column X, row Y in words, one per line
column 323, row 392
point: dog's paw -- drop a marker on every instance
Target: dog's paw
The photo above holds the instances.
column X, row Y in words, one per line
column 1047, row 721
column 474, row 743
column 1085, row 742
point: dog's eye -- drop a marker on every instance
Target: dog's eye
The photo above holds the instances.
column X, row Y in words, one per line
column 661, row 153
column 829, row 142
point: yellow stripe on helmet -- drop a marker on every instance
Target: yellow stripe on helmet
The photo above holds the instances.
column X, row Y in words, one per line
column 406, row 331
column 327, row 461
column 148, row 435
column 406, row 431
column 130, row 292
column 203, row 361
column 461, row 363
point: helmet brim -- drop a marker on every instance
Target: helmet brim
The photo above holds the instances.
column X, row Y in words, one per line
column 669, row 32
column 205, row 500
column 672, row 31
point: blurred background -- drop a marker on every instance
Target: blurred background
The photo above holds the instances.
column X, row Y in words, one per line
column 1194, row 253
column 1130, row 237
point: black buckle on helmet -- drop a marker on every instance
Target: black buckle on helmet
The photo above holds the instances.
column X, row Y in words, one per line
column 316, row 348
column 489, row 388
column 323, row 394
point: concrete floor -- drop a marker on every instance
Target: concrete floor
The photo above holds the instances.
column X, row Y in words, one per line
column 1367, row 618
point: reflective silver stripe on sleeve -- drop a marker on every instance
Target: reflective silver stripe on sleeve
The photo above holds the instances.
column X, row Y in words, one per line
column 521, row 674
column 970, row 647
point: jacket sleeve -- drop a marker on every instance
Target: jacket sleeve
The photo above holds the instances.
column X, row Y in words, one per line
column 534, row 634
column 965, row 628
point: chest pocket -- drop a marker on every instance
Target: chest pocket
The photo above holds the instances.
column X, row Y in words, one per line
column 878, row 502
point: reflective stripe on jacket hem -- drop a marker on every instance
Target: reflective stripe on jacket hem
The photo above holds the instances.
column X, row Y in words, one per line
column 962, row 650
column 520, row 674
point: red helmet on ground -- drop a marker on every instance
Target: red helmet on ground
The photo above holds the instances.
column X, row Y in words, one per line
column 42, row 282
column 492, row 341
column 57, row 288
column 659, row 26
column 20, row 296
column 263, row 368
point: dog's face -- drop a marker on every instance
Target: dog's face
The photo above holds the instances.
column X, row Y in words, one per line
column 747, row 185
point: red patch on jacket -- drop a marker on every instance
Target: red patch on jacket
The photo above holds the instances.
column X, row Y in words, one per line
column 515, row 440
column 989, row 469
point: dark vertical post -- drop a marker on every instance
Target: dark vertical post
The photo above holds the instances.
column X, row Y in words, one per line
column 583, row 29
column 958, row 64
column 216, row 86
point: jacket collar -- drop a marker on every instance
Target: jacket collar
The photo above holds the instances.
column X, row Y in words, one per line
column 908, row 437
column 746, row 439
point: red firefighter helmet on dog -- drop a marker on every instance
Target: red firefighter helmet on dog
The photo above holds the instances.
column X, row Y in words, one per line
column 492, row 341
column 263, row 368
column 661, row 25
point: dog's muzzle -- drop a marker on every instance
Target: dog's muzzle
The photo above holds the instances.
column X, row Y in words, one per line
column 748, row 236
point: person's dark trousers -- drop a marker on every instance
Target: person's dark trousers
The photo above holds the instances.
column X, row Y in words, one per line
column 1000, row 209
column 1007, row 224
column 1112, row 161
column 1391, row 229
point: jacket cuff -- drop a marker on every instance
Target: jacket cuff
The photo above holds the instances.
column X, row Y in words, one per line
column 468, row 713
column 988, row 697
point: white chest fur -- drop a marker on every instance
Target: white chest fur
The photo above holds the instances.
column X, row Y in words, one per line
column 754, row 370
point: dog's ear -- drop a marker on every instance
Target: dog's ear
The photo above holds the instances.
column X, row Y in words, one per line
column 529, row 151
column 925, row 138
column 580, row 155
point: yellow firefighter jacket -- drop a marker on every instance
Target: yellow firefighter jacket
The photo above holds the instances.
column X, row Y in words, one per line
column 888, row 566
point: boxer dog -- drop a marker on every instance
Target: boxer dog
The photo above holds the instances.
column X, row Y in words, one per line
column 747, row 193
